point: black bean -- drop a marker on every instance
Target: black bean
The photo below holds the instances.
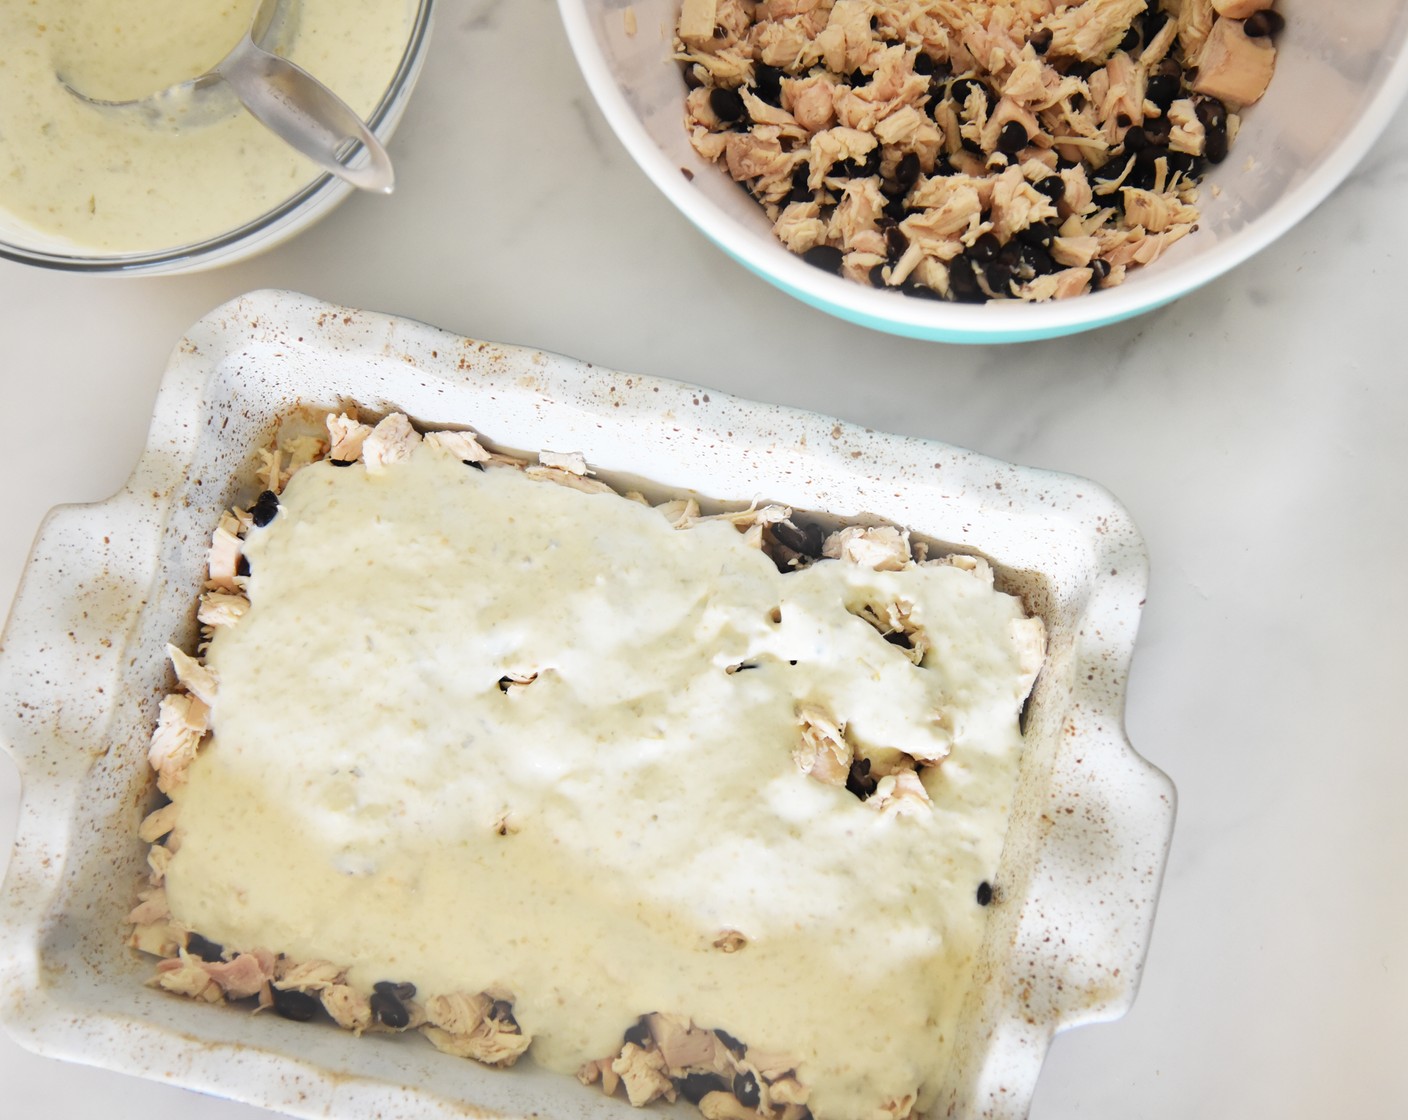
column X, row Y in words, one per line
column 969, row 145
column 727, row 105
column 943, row 168
column 1135, row 139
column 295, row 1005
column 1265, row 24
column 732, row 1044
column 1003, row 270
column 501, row 1011
column 639, row 1033
column 1161, row 90
column 876, row 276
column 389, row 1010
column 745, row 1088
column 843, row 169
column 1100, row 270
column 1038, row 259
column 805, row 537
column 1184, row 164
column 828, row 258
column 767, row 83
column 205, row 949
column 691, row 79
column 914, row 288
column 1053, row 187
column 1152, row 22
column 1130, row 40
column 1213, row 115
column 401, row 990
column 856, row 77
column 859, row 781
column 242, row 565
column 964, row 88
column 1039, row 233
column 1146, row 167
column 264, row 508
column 1082, row 69
column 1157, row 129
column 1124, row 120
column 985, row 247
column 907, row 171
column 895, row 243
column 896, row 210
column 984, row 893
column 1108, row 172
column 694, row 1086
column 923, row 64
column 1041, row 40
column 341, row 462
column 1169, row 68
column 1012, row 139
column 800, row 192
column 963, row 281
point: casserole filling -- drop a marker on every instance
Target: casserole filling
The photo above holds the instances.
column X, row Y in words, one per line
column 1021, row 149
column 685, row 805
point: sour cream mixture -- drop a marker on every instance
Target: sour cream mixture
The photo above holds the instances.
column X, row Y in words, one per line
column 82, row 176
column 374, row 797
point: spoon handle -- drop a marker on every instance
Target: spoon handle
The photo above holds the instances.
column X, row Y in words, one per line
column 310, row 117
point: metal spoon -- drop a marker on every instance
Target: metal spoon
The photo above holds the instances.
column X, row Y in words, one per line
column 285, row 98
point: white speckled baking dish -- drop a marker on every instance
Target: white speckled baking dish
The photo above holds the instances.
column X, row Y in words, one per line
column 82, row 671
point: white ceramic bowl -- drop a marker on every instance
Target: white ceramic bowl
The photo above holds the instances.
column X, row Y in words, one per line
column 1341, row 73
column 313, row 200
column 82, row 670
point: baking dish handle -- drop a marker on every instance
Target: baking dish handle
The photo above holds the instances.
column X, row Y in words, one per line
column 1075, row 947
column 1098, row 876
column 61, row 655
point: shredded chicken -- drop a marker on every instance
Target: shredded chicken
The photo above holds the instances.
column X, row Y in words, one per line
column 181, row 726
column 881, row 548
column 347, row 437
column 822, row 751
column 242, row 977
column 221, row 608
column 462, row 445
column 475, row 1026
column 390, row 442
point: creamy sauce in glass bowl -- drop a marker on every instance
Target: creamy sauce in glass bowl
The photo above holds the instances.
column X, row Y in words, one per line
column 86, row 179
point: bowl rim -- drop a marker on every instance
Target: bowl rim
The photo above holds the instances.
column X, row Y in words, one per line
column 994, row 321
column 300, row 208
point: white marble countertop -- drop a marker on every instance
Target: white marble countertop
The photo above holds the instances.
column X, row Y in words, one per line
column 1255, row 430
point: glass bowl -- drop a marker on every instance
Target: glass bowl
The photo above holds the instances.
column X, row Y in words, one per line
column 316, row 196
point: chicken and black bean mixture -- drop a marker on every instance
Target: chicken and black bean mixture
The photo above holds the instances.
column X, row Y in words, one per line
column 971, row 151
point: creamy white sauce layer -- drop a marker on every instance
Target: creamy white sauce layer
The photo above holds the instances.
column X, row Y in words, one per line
column 364, row 754
column 90, row 177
